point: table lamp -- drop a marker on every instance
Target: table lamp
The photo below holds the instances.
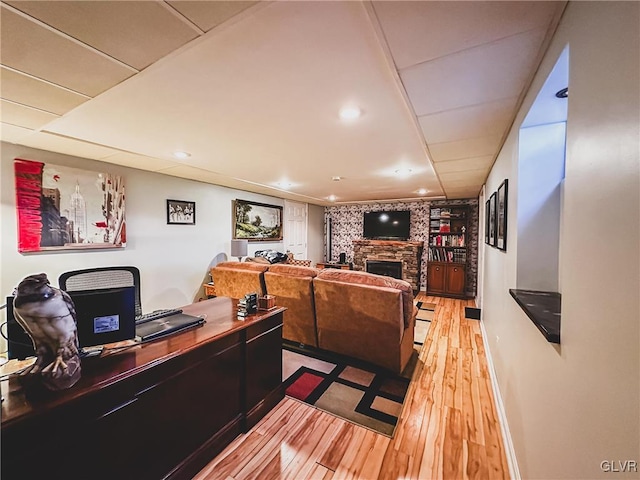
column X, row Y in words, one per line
column 239, row 248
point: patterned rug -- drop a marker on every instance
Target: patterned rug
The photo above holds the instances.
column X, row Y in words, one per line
column 346, row 388
column 349, row 389
column 423, row 321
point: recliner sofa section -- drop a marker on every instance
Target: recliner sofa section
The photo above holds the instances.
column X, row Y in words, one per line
column 365, row 316
column 236, row 279
column 293, row 288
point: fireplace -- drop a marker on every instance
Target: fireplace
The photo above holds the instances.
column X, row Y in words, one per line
column 406, row 256
column 385, row 267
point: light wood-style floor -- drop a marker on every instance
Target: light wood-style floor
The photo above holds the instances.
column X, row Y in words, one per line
column 448, row 428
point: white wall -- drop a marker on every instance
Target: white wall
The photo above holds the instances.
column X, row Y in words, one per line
column 173, row 259
column 573, row 406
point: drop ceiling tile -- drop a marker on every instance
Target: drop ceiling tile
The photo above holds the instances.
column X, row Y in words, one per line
column 12, row 133
column 467, row 177
column 208, row 15
column 468, row 122
column 420, row 31
column 474, row 163
column 461, row 188
column 146, row 31
column 30, row 91
column 473, row 147
column 479, row 75
column 67, row 146
column 22, row 116
column 141, row 162
column 29, row 47
column 471, row 191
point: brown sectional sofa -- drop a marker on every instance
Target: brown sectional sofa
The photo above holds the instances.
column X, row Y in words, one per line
column 357, row 314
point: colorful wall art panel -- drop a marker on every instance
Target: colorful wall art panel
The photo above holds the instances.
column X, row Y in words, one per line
column 63, row 208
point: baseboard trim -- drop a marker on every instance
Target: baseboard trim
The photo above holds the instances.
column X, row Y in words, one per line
column 514, row 471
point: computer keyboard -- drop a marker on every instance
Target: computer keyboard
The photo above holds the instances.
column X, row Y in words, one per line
column 165, row 312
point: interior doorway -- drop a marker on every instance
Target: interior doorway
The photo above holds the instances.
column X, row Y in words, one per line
column 295, row 228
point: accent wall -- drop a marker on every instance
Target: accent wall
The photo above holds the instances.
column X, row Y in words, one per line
column 347, row 225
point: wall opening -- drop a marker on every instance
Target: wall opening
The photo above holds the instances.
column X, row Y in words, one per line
column 541, row 160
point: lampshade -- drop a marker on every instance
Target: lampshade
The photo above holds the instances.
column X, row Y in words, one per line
column 239, row 248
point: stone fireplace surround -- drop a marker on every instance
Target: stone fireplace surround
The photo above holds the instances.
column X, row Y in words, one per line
column 407, row 253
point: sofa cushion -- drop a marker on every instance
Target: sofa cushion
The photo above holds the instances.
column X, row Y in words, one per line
column 365, row 278
column 258, row 267
column 293, row 270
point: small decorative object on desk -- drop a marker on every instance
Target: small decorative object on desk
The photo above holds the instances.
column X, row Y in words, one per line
column 48, row 315
column 247, row 305
column 267, row 302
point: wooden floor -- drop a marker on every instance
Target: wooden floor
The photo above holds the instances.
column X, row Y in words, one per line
column 448, row 428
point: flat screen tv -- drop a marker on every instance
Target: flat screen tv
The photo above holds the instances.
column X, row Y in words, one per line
column 387, row 225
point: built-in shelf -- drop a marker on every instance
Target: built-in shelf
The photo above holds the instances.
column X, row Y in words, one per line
column 543, row 308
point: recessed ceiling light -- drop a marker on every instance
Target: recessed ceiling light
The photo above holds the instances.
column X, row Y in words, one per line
column 331, row 198
column 403, row 172
column 181, row 155
column 284, row 185
column 422, row 191
column 337, row 178
column 350, row 113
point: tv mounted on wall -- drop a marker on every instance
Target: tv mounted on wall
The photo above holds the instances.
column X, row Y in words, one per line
column 387, row 225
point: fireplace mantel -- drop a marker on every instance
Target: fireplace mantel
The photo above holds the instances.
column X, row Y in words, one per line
column 388, row 243
column 408, row 253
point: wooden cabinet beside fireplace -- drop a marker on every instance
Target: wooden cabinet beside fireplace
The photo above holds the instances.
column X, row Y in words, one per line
column 447, row 256
column 447, row 279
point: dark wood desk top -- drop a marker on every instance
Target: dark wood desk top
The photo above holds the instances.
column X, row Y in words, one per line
column 220, row 321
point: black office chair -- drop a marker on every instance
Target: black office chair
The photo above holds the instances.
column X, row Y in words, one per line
column 103, row 277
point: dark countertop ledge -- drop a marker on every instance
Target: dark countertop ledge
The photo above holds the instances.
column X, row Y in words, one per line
column 543, row 308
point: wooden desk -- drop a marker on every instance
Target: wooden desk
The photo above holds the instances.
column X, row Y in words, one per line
column 159, row 410
column 341, row 266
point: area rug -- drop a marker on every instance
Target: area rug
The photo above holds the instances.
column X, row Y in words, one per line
column 423, row 321
column 346, row 388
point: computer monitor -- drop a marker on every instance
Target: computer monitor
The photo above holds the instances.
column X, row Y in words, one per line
column 102, row 315
column 105, row 315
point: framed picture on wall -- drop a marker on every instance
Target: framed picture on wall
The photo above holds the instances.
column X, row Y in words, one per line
column 65, row 208
column 501, row 216
column 486, row 221
column 257, row 222
column 181, row 212
column 492, row 219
